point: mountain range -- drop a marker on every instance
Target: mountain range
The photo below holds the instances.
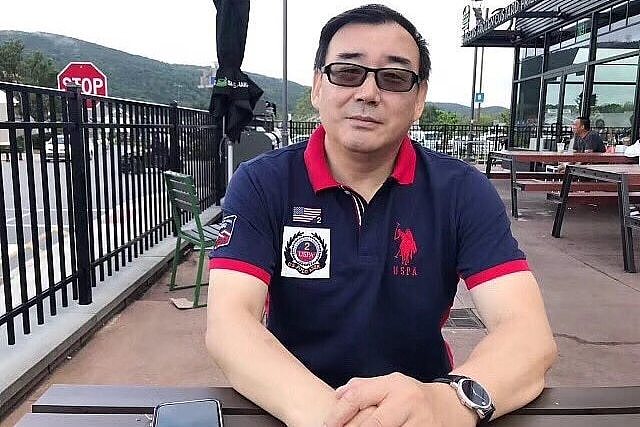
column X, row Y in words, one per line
column 136, row 77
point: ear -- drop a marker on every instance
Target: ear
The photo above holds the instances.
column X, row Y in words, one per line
column 315, row 90
column 421, row 97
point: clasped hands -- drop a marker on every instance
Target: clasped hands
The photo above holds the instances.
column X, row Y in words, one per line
column 398, row 400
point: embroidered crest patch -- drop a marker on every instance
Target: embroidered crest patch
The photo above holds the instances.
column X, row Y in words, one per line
column 228, row 222
column 305, row 252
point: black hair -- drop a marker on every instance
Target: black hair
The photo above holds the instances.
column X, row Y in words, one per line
column 585, row 122
column 372, row 14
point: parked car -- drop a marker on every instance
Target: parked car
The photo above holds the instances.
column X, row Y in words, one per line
column 61, row 147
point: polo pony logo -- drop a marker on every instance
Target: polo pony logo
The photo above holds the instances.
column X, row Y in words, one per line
column 407, row 248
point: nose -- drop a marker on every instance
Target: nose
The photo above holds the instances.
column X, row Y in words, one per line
column 368, row 91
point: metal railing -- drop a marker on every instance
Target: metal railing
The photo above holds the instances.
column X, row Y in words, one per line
column 470, row 142
column 473, row 142
column 83, row 194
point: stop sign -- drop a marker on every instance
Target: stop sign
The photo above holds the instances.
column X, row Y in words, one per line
column 91, row 80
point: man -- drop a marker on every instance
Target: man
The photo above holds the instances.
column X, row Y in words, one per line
column 586, row 140
column 358, row 239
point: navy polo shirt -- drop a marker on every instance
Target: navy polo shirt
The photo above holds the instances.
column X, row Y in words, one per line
column 361, row 289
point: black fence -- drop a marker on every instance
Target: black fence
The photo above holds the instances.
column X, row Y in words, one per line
column 473, row 142
column 469, row 142
column 83, row 193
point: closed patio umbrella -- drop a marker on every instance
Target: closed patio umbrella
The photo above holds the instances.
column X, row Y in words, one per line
column 234, row 94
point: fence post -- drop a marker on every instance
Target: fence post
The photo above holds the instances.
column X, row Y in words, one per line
column 80, row 210
column 174, row 143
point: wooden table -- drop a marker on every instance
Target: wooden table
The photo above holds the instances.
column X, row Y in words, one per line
column 97, row 406
column 547, row 157
column 624, row 176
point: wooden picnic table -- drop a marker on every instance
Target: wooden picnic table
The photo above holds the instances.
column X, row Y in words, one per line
column 624, row 176
column 512, row 157
column 90, row 405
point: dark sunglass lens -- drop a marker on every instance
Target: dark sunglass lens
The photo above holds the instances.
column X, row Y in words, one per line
column 346, row 75
column 395, row 80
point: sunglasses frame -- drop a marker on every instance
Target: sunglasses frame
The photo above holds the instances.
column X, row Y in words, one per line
column 327, row 70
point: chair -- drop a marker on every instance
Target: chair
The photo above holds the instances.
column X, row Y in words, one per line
column 184, row 199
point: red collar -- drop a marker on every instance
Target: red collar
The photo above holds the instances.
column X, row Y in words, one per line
column 315, row 159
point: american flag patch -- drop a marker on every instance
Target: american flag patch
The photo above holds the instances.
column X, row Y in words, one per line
column 309, row 215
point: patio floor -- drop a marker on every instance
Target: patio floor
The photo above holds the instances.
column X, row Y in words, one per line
column 593, row 305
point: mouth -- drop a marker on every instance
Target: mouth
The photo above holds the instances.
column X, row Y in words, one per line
column 364, row 119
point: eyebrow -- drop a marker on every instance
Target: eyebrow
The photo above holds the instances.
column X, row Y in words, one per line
column 391, row 58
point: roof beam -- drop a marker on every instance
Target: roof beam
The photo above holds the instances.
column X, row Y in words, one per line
column 544, row 14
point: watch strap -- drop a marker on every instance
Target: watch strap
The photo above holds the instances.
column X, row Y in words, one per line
column 451, row 378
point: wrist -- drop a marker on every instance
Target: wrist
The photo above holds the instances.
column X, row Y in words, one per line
column 312, row 414
column 457, row 414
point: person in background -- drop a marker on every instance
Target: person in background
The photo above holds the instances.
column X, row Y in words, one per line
column 586, row 140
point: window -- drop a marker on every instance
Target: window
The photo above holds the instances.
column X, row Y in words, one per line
column 633, row 12
column 526, row 118
column 531, row 58
column 603, row 21
column 531, row 67
column 583, row 30
column 576, row 54
column 622, row 41
column 613, row 97
column 527, row 104
column 618, row 16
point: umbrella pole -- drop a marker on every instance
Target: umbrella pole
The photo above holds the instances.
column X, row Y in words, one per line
column 229, row 150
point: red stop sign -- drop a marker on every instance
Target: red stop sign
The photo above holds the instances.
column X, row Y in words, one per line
column 91, row 80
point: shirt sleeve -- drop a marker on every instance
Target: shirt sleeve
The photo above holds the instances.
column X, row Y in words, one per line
column 485, row 246
column 246, row 241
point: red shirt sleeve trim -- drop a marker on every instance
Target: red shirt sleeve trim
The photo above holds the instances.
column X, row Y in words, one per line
column 241, row 266
column 495, row 272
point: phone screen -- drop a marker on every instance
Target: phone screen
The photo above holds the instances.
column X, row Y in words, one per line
column 195, row 413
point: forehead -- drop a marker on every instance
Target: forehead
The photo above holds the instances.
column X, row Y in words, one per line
column 373, row 44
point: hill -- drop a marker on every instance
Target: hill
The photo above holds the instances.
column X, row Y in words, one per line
column 136, row 77
column 465, row 110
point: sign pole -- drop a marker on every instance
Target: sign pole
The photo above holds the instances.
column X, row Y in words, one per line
column 473, row 85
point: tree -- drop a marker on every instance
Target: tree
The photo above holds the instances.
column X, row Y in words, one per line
column 303, row 110
column 39, row 70
column 11, row 60
column 505, row 117
column 33, row 69
column 429, row 115
column 433, row 116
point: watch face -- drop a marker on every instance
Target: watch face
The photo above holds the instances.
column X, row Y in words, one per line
column 475, row 393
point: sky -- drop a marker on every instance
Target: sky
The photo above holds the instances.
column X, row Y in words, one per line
column 184, row 32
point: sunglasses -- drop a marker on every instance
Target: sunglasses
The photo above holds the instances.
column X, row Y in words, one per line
column 353, row 75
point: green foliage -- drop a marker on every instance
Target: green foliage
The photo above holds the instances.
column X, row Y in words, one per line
column 11, row 60
column 505, row 117
column 39, row 70
column 303, row 110
column 614, row 108
column 33, row 69
column 433, row 116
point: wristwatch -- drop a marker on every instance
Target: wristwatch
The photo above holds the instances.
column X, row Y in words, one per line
column 472, row 395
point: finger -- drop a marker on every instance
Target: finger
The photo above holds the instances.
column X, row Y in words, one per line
column 343, row 412
column 360, row 417
column 388, row 414
column 358, row 396
column 352, row 382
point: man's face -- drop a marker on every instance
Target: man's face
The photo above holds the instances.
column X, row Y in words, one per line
column 577, row 126
column 366, row 119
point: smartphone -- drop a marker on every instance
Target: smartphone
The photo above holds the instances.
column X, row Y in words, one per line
column 192, row 413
